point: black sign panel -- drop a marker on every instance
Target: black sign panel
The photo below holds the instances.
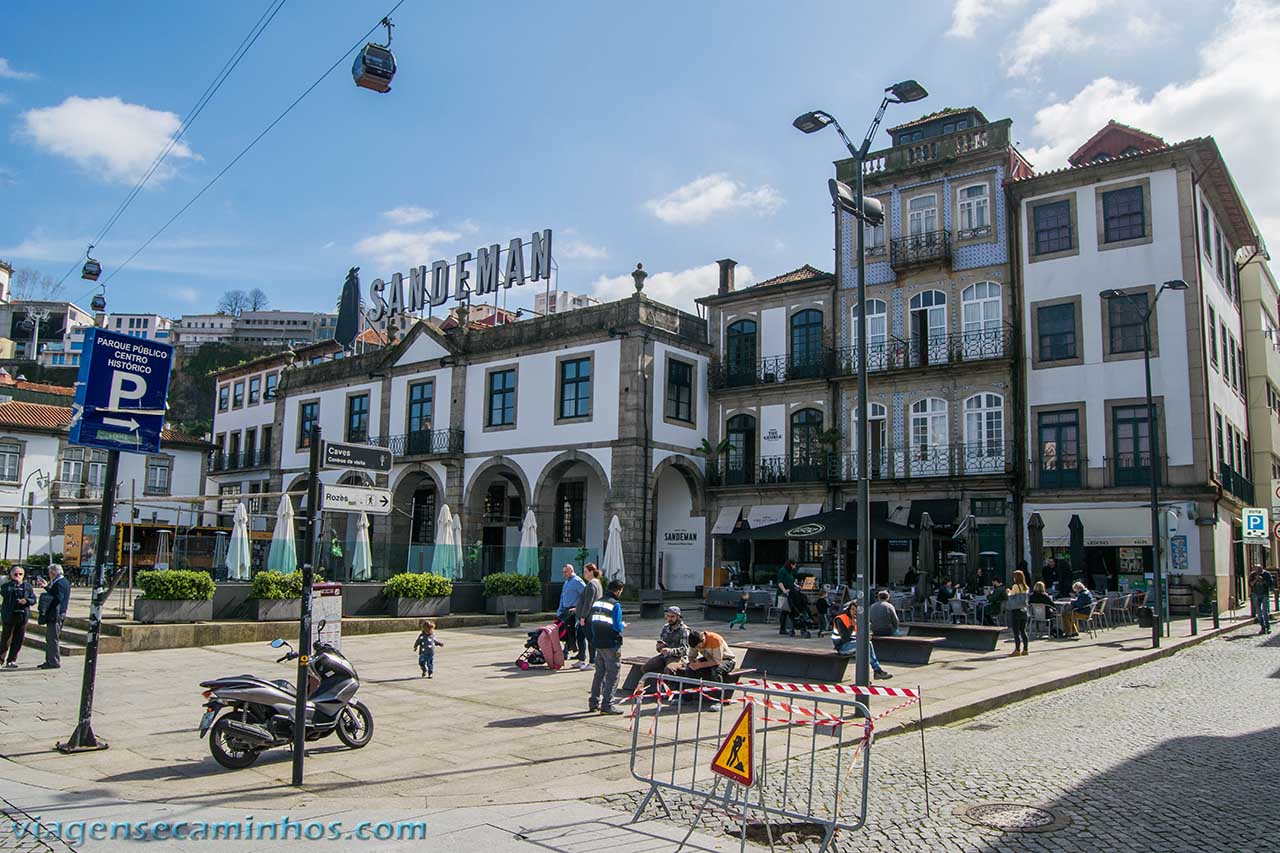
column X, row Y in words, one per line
column 359, row 456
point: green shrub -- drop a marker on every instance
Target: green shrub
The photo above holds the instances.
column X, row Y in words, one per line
column 176, row 585
column 42, row 560
column 277, row 585
column 411, row 585
column 511, row 584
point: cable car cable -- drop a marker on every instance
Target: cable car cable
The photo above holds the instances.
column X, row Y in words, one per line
column 252, row 143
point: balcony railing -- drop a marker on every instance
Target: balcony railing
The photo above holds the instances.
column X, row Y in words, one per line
column 937, row 460
column 238, row 461
column 928, row 248
column 771, row 470
column 931, row 351
column 778, row 368
column 1064, row 471
column 71, row 490
column 422, row 443
column 1236, row 483
column 1134, row 469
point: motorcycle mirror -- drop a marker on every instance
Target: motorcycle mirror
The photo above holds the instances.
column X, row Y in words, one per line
column 277, row 643
column 320, row 626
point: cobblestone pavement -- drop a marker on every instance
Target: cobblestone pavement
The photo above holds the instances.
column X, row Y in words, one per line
column 1169, row 756
column 24, row 842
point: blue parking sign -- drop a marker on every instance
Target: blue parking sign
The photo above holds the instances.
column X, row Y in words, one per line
column 1255, row 523
column 121, row 392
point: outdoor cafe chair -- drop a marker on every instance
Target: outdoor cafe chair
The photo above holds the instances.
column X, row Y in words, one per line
column 958, row 610
column 1091, row 624
column 1038, row 615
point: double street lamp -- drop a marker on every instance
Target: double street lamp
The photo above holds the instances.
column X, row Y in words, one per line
column 1144, row 311
column 866, row 212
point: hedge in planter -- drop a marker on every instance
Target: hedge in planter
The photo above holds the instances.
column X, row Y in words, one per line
column 174, row 596
column 417, row 595
column 277, row 597
column 508, row 591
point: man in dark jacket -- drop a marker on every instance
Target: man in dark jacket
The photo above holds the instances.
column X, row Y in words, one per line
column 59, row 592
column 1261, row 585
column 606, row 627
column 17, row 596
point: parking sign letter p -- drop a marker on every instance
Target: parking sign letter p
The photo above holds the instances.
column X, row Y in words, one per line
column 138, row 388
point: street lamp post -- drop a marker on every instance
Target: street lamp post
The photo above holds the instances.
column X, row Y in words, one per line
column 864, row 211
column 1157, row 593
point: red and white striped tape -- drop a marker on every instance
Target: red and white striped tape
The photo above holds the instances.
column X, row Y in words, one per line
column 850, row 689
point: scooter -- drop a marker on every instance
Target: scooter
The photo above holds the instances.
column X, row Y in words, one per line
column 261, row 712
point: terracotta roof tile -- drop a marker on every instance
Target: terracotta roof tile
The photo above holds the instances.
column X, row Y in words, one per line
column 16, row 414
column 803, row 273
column 61, row 390
column 946, row 111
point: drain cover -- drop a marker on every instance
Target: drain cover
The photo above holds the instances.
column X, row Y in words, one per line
column 1013, row 817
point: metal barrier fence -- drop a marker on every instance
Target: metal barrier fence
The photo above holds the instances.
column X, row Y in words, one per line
column 671, row 724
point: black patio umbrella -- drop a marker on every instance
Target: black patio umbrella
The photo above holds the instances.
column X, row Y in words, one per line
column 349, row 309
column 926, row 551
column 835, row 524
column 1035, row 537
column 1076, row 527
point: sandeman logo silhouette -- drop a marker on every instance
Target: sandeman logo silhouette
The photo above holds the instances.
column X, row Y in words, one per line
column 736, row 757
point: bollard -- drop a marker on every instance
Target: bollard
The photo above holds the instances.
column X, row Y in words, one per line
column 1216, row 624
column 1193, row 620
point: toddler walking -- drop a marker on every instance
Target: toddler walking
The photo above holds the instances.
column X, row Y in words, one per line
column 426, row 646
column 740, row 618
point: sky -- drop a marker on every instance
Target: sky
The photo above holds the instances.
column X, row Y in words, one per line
column 640, row 132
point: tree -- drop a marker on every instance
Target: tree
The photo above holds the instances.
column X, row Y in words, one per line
column 258, row 300
column 27, row 284
column 233, row 302
column 193, row 392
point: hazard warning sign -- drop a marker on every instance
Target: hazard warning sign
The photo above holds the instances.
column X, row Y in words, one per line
column 734, row 758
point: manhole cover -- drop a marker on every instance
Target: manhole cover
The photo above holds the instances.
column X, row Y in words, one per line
column 1012, row 817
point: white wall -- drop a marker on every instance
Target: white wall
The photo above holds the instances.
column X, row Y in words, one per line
column 333, row 419
column 680, row 535
column 773, row 339
column 442, row 399
column 668, row 433
column 1223, row 397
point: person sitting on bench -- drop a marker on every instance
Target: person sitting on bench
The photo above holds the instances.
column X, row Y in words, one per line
column 709, row 657
column 672, row 646
column 844, row 638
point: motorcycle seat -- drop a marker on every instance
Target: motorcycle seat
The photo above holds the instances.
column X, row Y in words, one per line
column 282, row 684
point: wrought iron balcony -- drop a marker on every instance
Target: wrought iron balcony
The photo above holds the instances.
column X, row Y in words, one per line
column 1236, row 483
column 439, row 442
column 1134, row 469
column 779, row 368
column 75, row 490
column 772, row 470
column 931, row 247
column 1063, row 471
column 937, row 460
column 931, row 351
column 238, row 461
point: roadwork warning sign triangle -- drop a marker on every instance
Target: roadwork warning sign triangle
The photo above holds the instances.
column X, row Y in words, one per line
column 735, row 758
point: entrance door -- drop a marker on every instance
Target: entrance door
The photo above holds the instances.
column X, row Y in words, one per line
column 991, row 553
column 928, row 328
column 493, row 545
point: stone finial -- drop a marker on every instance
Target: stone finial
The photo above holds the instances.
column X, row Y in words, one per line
column 639, row 275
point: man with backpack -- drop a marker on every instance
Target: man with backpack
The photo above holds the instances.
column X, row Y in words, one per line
column 1261, row 584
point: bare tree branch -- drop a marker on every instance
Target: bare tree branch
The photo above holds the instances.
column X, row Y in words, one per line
column 258, row 300
column 233, row 302
column 28, row 284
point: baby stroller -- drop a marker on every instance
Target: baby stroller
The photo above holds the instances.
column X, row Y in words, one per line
column 802, row 617
column 544, row 646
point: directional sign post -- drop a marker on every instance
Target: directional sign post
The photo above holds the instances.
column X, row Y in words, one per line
column 359, row 456
column 119, row 405
column 1255, row 524
column 354, row 499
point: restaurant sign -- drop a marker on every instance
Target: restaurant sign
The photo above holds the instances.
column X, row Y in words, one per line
column 431, row 287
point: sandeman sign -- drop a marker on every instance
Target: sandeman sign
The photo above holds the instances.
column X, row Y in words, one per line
column 735, row 759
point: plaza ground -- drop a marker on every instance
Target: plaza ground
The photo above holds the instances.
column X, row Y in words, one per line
column 488, row 747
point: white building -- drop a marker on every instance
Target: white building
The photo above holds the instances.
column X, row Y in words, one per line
column 47, row 483
column 1129, row 214
column 190, row 331
column 46, row 325
column 153, row 327
column 559, row 301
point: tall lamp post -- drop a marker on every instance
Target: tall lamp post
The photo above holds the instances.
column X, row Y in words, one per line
column 864, row 211
column 1145, row 311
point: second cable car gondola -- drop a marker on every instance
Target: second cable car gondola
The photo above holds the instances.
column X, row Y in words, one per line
column 91, row 269
column 375, row 64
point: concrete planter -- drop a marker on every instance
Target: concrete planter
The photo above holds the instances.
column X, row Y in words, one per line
column 148, row 611
column 404, row 608
column 276, row 609
column 502, row 603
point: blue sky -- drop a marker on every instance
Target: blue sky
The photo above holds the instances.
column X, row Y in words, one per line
column 655, row 132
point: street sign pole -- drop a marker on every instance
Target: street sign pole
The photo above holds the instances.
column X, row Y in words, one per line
column 304, row 621
column 83, row 739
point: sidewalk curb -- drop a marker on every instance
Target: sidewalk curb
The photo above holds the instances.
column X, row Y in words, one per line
column 973, row 709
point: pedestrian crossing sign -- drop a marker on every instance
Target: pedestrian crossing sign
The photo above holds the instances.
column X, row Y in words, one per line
column 735, row 758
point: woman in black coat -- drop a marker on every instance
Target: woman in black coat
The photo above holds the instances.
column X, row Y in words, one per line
column 16, row 597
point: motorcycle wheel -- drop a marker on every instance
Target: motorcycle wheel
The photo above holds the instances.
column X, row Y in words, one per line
column 355, row 725
column 228, row 750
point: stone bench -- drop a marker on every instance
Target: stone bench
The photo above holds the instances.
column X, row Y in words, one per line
column 975, row 638
column 801, row 663
column 636, row 673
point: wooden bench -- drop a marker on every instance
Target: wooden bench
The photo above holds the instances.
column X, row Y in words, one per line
column 636, row 673
column 976, row 638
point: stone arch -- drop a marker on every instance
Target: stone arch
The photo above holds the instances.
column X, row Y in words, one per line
column 683, row 568
column 692, row 474
column 569, row 457
column 499, row 461
column 596, row 509
column 412, row 528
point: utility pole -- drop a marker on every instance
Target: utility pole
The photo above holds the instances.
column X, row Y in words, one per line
column 304, row 620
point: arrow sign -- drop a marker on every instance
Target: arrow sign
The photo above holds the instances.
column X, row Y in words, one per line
column 354, row 499
column 120, row 392
column 359, row 456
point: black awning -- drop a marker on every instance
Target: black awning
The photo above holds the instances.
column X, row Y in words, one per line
column 941, row 511
column 836, row 524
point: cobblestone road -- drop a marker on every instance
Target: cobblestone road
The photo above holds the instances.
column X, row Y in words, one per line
column 1171, row 756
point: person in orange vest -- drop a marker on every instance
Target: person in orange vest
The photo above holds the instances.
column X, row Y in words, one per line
column 844, row 636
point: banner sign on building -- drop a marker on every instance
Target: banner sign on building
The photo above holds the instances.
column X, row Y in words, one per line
column 431, row 287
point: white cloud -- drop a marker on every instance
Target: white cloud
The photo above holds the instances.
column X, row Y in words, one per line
column 967, row 14
column 1237, row 67
column 4, row 99
column 678, row 289
column 408, row 214
column 704, row 197
column 572, row 248
column 115, row 140
column 1074, row 26
column 328, row 245
column 9, row 72
column 185, row 294
column 398, row 250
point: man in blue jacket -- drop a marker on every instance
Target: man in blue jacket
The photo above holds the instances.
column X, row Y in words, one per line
column 569, row 595
column 606, row 633
column 59, row 592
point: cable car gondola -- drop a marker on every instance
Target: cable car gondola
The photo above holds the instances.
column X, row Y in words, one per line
column 92, row 269
column 375, row 64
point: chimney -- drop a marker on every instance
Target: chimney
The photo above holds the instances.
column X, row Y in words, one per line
column 726, row 275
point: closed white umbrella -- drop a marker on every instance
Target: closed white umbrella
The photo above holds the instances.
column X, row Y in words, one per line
column 457, row 540
column 361, row 558
column 283, row 556
column 238, row 550
column 444, row 561
column 614, row 568
column 527, row 557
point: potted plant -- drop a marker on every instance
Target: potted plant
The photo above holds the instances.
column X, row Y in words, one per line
column 1206, row 596
column 507, row 592
column 417, row 594
column 174, row 595
column 712, row 453
column 277, row 597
